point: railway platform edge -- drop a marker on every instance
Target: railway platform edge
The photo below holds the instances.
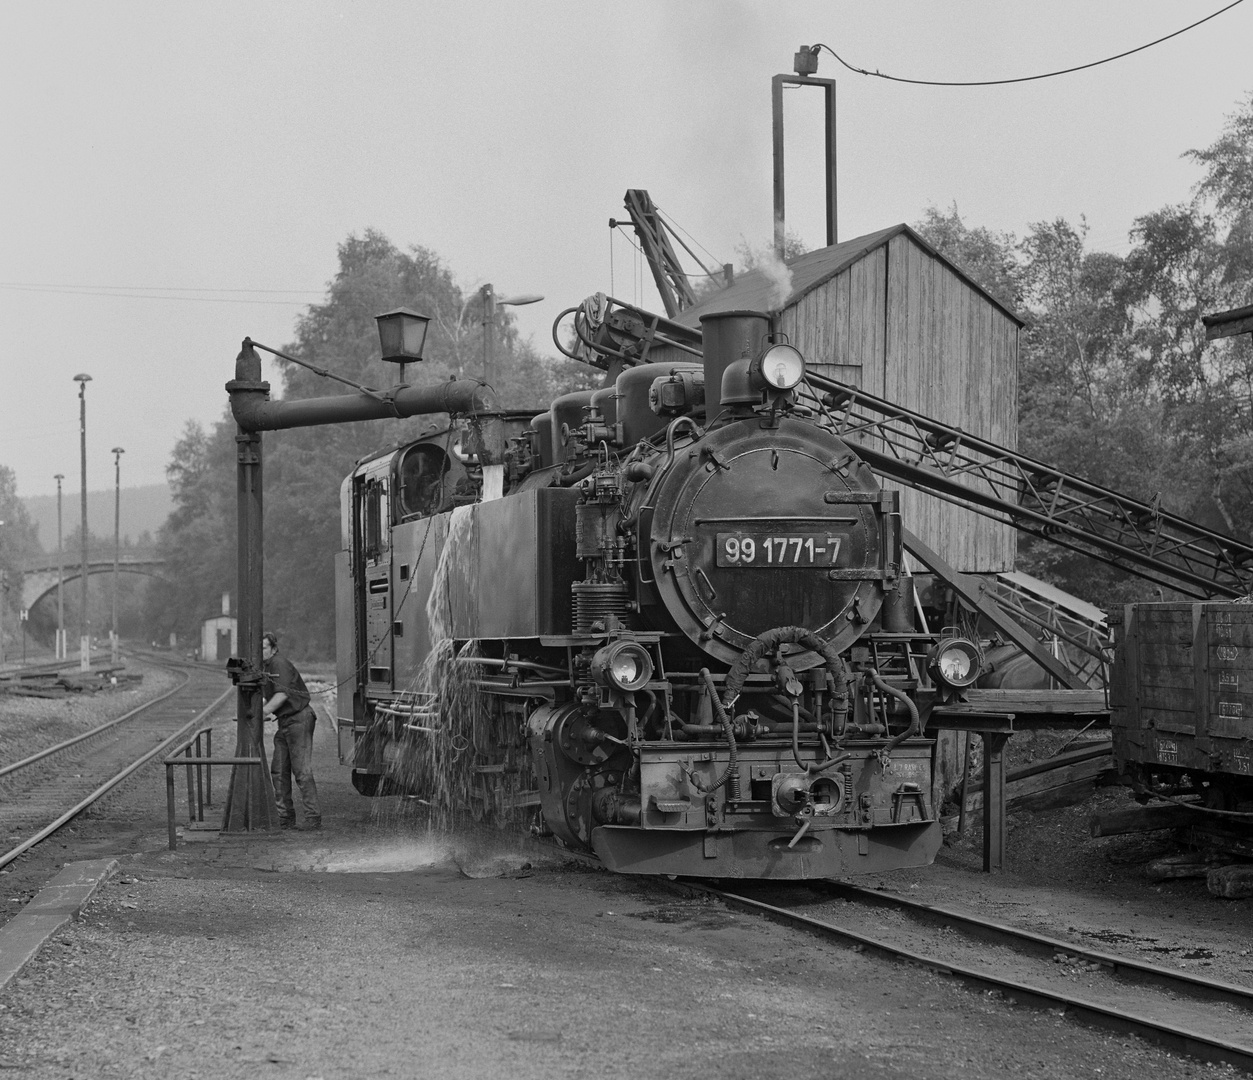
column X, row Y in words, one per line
column 56, row 904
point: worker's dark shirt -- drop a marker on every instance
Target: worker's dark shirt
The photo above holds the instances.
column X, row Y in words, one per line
column 281, row 676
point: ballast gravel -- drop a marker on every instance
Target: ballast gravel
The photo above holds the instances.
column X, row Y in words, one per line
column 374, row 949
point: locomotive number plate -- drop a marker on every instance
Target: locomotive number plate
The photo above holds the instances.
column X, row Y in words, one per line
column 788, row 549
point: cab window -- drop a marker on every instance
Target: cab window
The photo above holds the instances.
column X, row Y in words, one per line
column 424, row 486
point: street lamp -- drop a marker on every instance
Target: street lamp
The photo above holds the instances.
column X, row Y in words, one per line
column 402, row 337
column 490, row 303
column 61, row 651
column 84, row 641
column 117, row 453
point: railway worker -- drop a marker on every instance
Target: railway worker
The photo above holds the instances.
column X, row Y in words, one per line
column 287, row 702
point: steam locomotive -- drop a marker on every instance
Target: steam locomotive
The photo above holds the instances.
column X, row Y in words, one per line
column 665, row 621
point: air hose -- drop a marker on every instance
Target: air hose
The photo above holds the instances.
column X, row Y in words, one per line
column 787, row 635
column 915, row 725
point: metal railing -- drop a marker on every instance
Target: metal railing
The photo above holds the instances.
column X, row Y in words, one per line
column 196, row 755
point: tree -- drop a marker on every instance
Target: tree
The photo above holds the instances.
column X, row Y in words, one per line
column 19, row 540
column 303, row 468
column 1228, row 162
column 197, row 540
column 988, row 258
column 1081, row 406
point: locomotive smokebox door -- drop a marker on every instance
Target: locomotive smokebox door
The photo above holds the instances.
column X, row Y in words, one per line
column 760, row 527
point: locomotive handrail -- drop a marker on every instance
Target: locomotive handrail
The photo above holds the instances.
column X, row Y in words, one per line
column 1035, row 498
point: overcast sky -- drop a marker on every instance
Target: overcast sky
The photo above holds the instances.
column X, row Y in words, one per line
column 199, row 163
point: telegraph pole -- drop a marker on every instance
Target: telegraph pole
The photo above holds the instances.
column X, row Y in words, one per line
column 117, row 453
column 62, row 651
column 84, row 627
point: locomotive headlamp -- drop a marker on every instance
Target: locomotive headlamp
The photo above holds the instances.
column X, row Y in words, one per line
column 956, row 660
column 623, row 665
column 780, row 366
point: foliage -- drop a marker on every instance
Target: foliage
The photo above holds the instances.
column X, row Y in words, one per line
column 985, row 256
column 1117, row 382
column 303, row 468
column 19, row 540
column 197, row 541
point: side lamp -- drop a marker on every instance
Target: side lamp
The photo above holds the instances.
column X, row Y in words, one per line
column 956, row 661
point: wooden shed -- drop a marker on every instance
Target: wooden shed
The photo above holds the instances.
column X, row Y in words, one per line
column 890, row 315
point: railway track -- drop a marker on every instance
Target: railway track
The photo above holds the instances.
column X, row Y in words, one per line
column 46, row 790
column 1179, row 1010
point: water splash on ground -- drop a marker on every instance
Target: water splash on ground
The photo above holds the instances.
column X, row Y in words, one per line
column 409, row 853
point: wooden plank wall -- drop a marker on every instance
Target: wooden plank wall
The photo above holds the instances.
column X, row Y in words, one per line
column 951, row 355
column 839, row 327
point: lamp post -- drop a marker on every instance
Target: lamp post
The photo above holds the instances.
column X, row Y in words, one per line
column 61, row 651
column 117, row 453
column 490, row 303
column 84, row 640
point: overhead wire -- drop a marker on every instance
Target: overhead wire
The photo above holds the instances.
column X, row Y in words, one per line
column 676, row 227
column 686, row 247
column 1026, row 78
column 147, row 288
column 150, row 296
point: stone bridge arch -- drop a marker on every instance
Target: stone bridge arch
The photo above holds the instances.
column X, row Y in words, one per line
column 39, row 579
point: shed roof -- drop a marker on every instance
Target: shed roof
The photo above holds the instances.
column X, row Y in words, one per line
column 758, row 290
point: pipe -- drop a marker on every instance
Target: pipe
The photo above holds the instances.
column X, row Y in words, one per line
column 732, row 772
column 915, row 725
column 811, row 766
column 254, row 411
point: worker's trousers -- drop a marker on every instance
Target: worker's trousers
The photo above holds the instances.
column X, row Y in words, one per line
column 293, row 758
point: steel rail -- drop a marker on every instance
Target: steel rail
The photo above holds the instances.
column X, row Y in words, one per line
column 1089, row 1012
column 48, row 667
column 113, row 782
column 8, row 770
column 1181, row 982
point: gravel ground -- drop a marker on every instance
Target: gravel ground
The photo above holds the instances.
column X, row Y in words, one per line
column 376, row 949
column 29, row 724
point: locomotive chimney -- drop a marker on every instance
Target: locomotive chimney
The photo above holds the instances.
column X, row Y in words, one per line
column 728, row 336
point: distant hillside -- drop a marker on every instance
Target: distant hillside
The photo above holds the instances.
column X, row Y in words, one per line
column 144, row 509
